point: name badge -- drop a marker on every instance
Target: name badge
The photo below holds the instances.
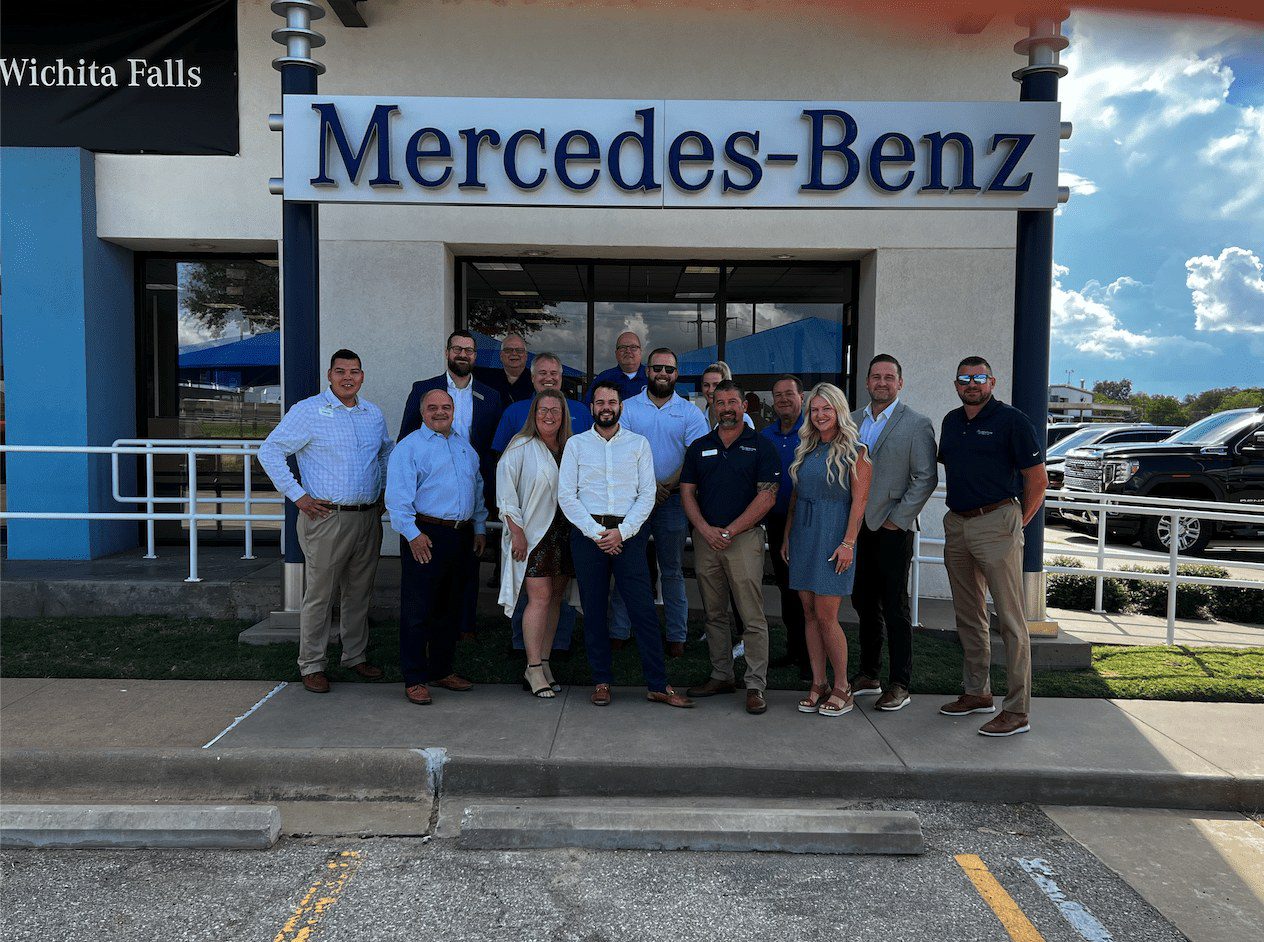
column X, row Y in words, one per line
column 710, row 452
column 477, row 395
column 326, row 410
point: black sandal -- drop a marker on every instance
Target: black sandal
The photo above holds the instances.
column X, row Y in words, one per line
column 534, row 682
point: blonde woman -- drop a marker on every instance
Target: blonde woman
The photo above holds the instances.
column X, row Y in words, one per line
column 535, row 544
column 831, row 473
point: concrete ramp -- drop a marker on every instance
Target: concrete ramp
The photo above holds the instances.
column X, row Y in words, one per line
column 663, row 826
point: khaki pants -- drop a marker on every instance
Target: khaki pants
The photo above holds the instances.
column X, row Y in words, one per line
column 987, row 552
column 342, row 553
column 740, row 570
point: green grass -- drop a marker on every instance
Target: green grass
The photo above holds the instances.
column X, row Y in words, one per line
column 156, row 647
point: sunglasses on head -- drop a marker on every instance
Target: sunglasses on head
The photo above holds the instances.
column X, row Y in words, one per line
column 662, row 368
column 966, row 379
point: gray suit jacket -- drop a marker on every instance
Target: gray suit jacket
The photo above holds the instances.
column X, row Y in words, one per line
column 904, row 469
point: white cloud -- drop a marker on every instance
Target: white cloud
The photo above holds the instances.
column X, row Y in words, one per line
column 1240, row 156
column 1080, row 186
column 1084, row 319
column 1227, row 291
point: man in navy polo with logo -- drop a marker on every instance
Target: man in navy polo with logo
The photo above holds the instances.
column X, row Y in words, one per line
column 787, row 403
column 996, row 483
column 727, row 484
column 628, row 375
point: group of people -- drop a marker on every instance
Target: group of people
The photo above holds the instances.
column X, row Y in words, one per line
column 580, row 488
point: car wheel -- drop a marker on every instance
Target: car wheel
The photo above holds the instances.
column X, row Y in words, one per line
column 1192, row 538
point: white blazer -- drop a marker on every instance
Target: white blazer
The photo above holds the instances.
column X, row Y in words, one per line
column 526, row 493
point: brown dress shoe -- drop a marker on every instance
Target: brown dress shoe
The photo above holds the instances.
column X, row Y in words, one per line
column 675, row 649
column 601, row 695
column 670, row 697
column 1005, row 724
column 368, row 671
column 711, row 688
column 895, row 698
column 968, row 703
column 316, row 683
column 618, row 644
column 862, row 685
column 755, row 702
column 453, row 682
column 417, row 694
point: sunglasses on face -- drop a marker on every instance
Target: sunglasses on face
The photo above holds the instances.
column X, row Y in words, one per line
column 661, row 368
column 965, row 379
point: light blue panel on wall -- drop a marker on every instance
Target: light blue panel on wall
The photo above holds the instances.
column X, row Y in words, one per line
column 69, row 352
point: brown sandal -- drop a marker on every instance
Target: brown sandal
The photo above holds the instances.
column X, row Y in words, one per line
column 816, row 696
column 843, row 697
column 601, row 695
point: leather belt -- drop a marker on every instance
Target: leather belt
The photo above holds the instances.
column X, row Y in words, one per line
column 607, row 521
column 987, row 508
column 354, row 508
column 440, row 522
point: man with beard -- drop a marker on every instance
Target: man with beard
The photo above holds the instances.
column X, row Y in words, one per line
column 435, row 498
column 628, row 375
column 996, row 483
column 901, row 445
column 478, row 408
column 511, row 379
column 606, row 488
column 671, row 424
column 728, row 483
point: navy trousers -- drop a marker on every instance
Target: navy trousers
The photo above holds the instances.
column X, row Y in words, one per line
column 593, row 569
column 431, row 602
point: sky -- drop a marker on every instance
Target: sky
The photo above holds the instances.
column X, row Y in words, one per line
column 1159, row 255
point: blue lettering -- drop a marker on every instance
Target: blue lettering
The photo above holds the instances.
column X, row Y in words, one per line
column 511, row 159
column 746, row 161
column 877, row 158
column 562, row 156
column 819, row 149
column 473, row 141
column 414, row 155
column 378, row 132
column 937, row 142
column 1018, row 147
column 676, row 157
column 644, row 140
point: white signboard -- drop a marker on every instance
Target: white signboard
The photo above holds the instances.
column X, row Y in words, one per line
column 679, row 154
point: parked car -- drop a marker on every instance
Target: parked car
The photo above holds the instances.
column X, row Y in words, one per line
column 1056, row 431
column 1220, row 458
column 1113, row 433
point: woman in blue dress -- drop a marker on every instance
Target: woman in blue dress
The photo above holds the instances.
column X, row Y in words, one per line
column 831, row 474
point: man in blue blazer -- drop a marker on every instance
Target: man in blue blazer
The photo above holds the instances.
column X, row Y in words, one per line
column 478, row 410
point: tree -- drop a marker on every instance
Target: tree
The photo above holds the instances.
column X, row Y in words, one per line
column 217, row 292
column 1200, row 405
column 1115, row 390
column 1246, row 399
column 1160, row 410
column 497, row 318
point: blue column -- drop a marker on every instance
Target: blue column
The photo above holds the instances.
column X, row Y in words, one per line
column 69, row 352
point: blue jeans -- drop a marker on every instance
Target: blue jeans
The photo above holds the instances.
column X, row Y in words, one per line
column 670, row 528
column 593, row 570
column 565, row 624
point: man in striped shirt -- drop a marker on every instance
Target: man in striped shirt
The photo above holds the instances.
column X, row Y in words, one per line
column 341, row 446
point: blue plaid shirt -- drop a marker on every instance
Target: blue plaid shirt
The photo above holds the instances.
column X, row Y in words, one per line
column 341, row 450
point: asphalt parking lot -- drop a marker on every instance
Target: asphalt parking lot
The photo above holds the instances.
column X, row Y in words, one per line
column 992, row 873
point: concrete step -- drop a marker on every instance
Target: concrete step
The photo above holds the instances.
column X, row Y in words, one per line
column 662, row 826
column 249, row 827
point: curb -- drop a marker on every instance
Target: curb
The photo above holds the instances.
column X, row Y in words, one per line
column 251, row 827
column 264, row 775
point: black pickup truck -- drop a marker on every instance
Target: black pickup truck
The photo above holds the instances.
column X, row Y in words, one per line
column 1220, row 458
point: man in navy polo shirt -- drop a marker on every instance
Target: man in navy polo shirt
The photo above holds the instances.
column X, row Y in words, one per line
column 727, row 484
column 787, row 403
column 629, row 375
column 996, row 483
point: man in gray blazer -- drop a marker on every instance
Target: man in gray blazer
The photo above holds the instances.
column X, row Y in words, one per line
column 901, row 446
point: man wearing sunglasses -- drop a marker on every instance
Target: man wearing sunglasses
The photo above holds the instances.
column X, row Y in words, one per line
column 996, row 479
column 671, row 424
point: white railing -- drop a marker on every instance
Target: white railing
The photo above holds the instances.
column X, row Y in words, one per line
column 192, row 515
column 1102, row 505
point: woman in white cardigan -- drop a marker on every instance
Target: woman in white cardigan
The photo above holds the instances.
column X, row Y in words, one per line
column 535, row 545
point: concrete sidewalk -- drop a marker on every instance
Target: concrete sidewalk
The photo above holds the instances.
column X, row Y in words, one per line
column 166, row 740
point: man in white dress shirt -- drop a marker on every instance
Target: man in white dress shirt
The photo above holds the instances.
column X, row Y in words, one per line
column 606, row 488
column 341, row 446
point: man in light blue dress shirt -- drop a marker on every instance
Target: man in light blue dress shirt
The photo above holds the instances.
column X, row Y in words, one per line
column 434, row 493
column 671, row 424
column 341, row 446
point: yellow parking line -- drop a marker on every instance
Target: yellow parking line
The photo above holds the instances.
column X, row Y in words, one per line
column 1012, row 918
column 320, row 896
